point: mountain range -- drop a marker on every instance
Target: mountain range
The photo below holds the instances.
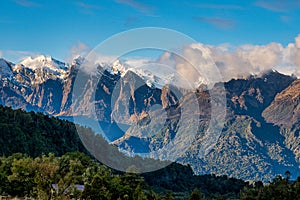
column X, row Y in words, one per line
column 260, row 137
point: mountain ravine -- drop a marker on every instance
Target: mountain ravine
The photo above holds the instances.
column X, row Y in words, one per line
column 259, row 140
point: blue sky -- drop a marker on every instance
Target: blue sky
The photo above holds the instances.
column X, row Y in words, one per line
column 56, row 27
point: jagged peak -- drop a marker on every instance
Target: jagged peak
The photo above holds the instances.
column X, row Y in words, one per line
column 42, row 61
column 272, row 72
column 39, row 58
column 263, row 75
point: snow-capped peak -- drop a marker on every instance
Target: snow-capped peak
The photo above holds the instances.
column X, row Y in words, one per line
column 118, row 67
column 43, row 68
column 115, row 68
column 43, row 61
column 151, row 77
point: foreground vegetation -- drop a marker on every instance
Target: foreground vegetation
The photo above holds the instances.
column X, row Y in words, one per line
column 24, row 176
column 280, row 188
column 50, row 177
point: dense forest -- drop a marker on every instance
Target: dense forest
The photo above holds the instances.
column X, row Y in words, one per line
column 35, row 134
column 44, row 158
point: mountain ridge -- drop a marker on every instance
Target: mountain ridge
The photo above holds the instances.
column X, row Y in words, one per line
column 252, row 145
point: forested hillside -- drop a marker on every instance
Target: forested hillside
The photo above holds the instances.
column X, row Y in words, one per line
column 35, row 134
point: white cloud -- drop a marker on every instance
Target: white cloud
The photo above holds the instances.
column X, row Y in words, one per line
column 193, row 66
column 16, row 56
column 297, row 40
column 137, row 63
column 237, row 62
column 80, row 49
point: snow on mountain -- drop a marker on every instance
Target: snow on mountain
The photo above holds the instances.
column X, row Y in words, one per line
column 41, row 68
column 44, row 68
column 153, row 78
column 43, row 61
column 5, row 70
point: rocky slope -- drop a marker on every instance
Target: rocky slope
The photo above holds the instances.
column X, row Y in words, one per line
column 284, row 111
column 249, row 145
column 260, row 137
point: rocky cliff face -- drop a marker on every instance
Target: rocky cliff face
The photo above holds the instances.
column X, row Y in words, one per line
column 251, row 96
column 260, row 137
column 284, row 112
column 285, row 109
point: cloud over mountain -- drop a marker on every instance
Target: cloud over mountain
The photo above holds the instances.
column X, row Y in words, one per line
column 239, row 61
column 80, row 49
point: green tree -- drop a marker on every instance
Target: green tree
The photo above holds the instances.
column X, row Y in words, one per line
column 46, row 175
column 97, row 189
column 196, row 195
column 6, row 187
column 139, row 194
column 153, row 196
column 22, row 177
column 70, row 172
column 279, row 189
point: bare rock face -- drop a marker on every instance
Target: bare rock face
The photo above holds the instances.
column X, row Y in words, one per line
column 67, row 89
column 284, row 111
column 47, row 96
column 253, row 95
